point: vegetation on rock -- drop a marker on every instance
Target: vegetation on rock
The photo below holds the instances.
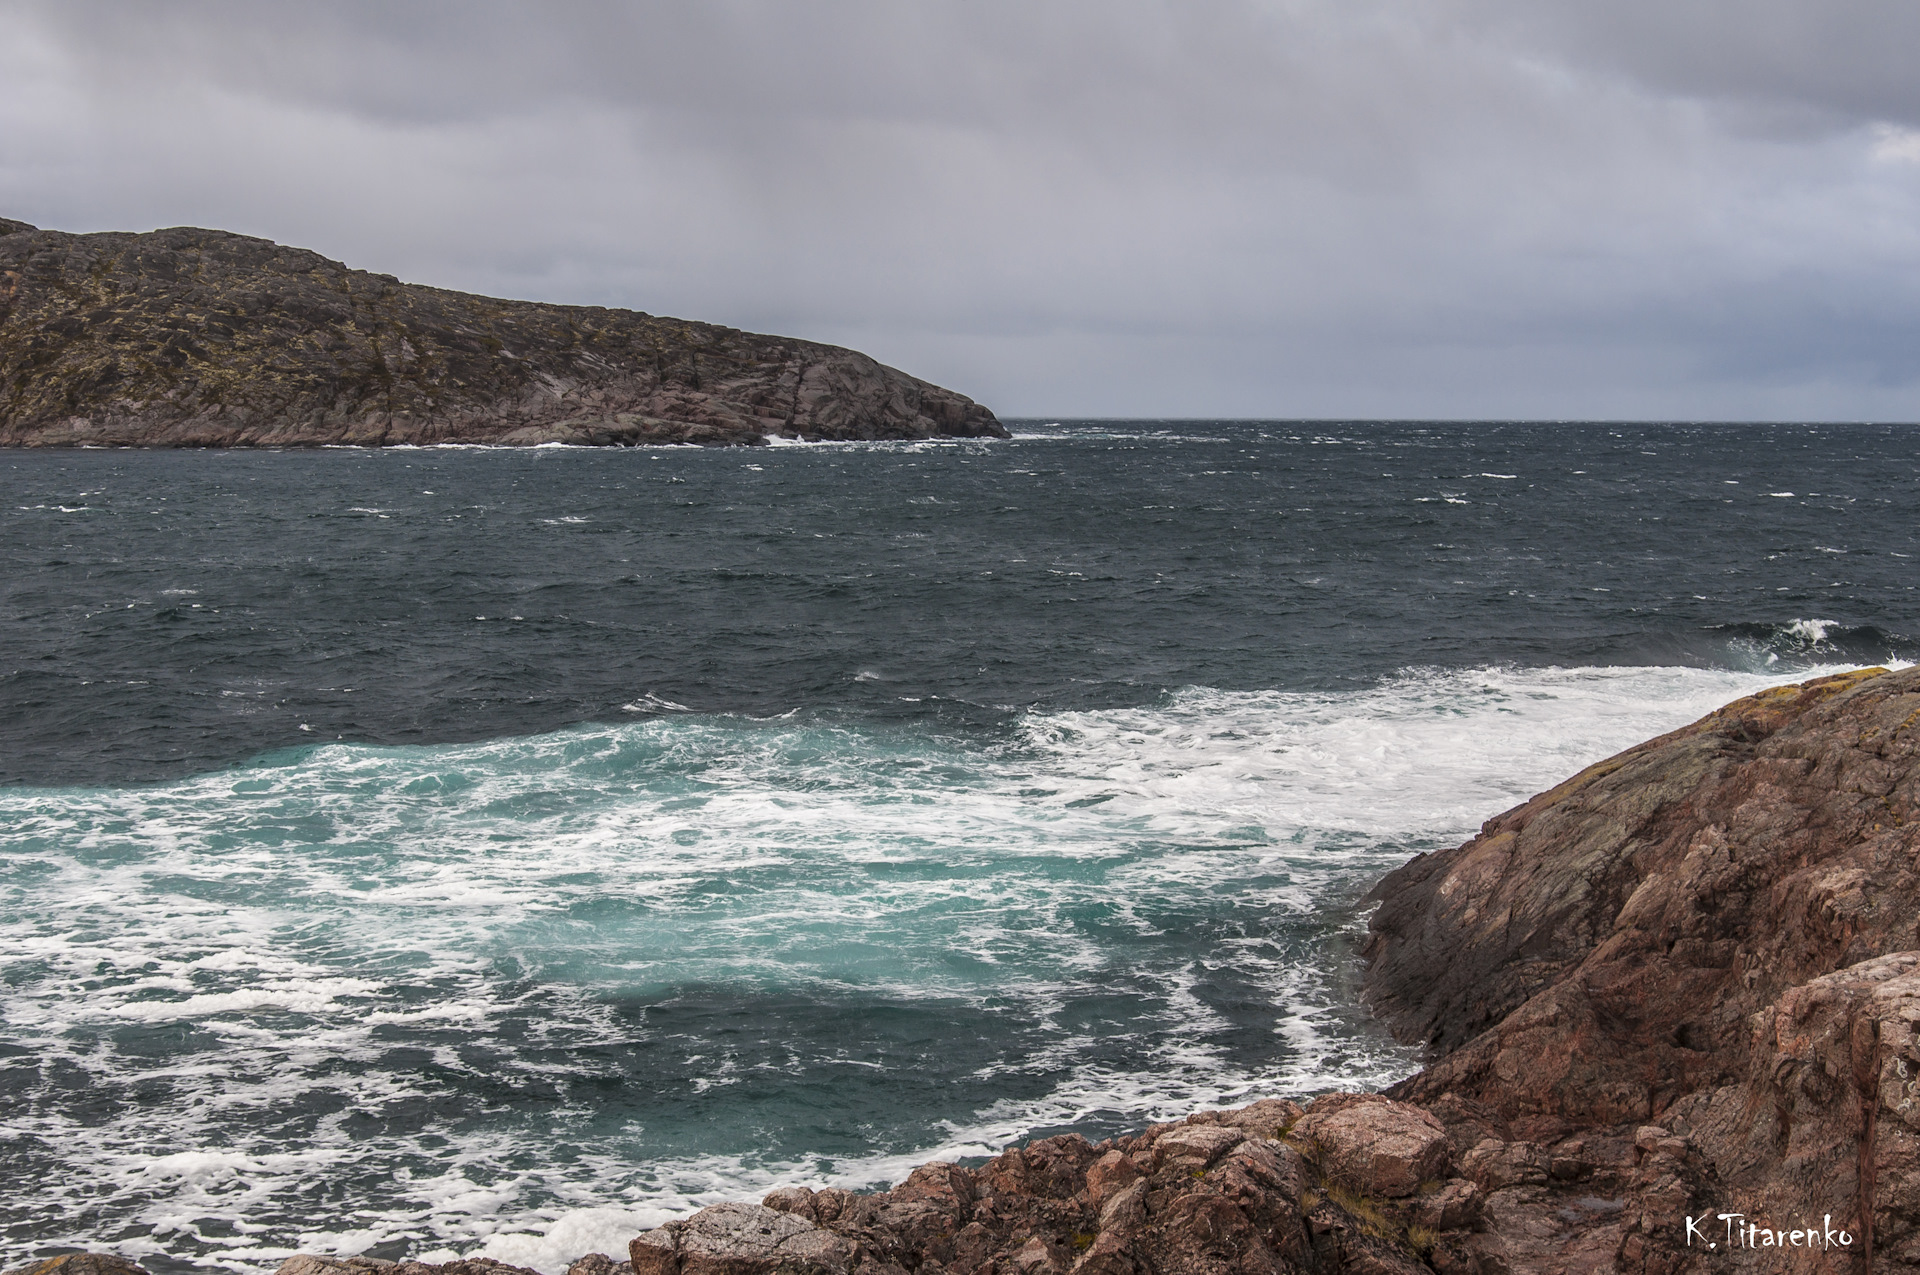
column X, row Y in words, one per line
column 201, row 338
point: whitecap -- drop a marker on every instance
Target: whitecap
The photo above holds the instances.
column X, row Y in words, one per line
column 651, row 703
column 1813, row 632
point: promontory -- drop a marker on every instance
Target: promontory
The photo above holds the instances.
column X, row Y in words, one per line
column 202, row 338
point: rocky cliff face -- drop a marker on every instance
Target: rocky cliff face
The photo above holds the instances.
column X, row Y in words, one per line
column 1709, row 942
column 200, row 338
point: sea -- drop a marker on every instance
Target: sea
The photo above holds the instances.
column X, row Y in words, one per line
column 469, row 851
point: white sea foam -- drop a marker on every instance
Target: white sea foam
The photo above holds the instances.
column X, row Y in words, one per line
column 1084, row 433
column 577, row 1231
column 1813, row 632
column 303, row 999
column 330, row 936
column 1427, row 753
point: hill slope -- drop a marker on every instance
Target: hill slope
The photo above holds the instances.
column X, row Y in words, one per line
column 201, row 338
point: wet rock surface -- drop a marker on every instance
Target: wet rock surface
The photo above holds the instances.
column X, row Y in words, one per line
column 201, row 338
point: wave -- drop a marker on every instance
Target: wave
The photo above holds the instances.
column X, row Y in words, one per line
column 1806, row 643
column 1083, row 434
column 1792, row 649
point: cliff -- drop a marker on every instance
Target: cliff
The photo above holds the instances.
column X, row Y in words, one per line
column 1674, row 1011
column 200, row 338
column 1706, row 943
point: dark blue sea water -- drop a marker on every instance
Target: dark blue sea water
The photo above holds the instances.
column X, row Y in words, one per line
column 468, row 850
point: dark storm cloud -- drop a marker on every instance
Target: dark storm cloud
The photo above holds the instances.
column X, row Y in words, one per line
column 1460, row 207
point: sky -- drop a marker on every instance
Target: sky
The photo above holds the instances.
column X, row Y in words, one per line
column 1441, row 209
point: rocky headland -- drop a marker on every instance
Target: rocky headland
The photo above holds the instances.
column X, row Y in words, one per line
column 1673, row 1008
column 201, row 338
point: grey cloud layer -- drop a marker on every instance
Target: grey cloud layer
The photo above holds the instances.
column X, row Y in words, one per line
column 1451, row 209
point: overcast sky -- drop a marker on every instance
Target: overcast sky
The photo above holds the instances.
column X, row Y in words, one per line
column 1689, row 209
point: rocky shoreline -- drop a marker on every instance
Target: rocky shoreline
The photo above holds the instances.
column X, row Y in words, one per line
column 201, row 338
column 1673, row 1006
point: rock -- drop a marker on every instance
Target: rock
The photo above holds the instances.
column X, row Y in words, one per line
column 310, row 1264
column 1107, row 1176
column 1827, row 1120
column 599, row 1264
column 1210, row 1195
column 1456, row 1205
column 1194, row 1147
column 655, row 1252
column 78, row 1263
column 1268, row 1118
column 797, row 1200
column 460, row 1266
column 1496, row 1165
column 1374, row 1145
column 740, row 1239
column 1686, row 882
column 1036, row 1257
column 1683, row 983
column 947, row 1185
column 201, row 338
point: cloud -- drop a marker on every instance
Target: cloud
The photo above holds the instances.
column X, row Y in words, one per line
column 1834, row 64
column 1454, row 208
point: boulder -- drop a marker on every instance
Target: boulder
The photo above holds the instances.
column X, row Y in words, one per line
column 81, row 1264
column 310, row 1264
column 1194, row 1147
column 740, row 1239
column 1375, row 1146
column 599, row 1264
